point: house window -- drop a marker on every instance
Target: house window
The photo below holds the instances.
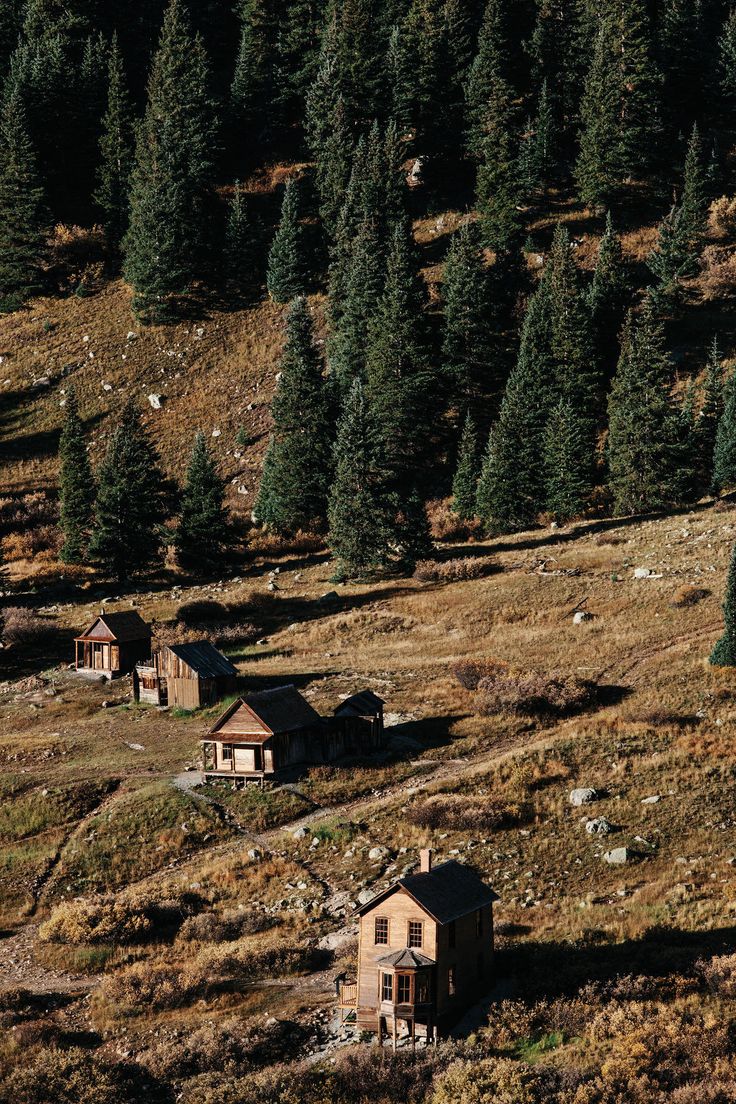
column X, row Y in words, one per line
column 387, row 987
column 451, row 982
column 451, row 934
column 479, row 923
column 422, row 989
column 415, row 933
column 227, row 753
column 381, row 930
column 403, row 989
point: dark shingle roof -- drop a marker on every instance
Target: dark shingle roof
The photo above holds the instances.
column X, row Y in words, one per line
column 363, row 704
column 447, row 892
column 124, row 626
column 268, row 711
column 203, row 658
column 406, row 958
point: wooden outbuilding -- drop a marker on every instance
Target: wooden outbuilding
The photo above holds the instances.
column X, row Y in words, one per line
column 185, row 675
column 265, row 734
column 425, row 952
column 112, row 645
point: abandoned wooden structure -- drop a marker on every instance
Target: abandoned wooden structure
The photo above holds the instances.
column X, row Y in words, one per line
column 112, row 645
column 184, row 675
column 425, row 953
column 264, row 734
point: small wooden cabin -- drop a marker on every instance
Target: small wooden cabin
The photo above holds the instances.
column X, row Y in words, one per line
column 112, row 645
column 186, row 675
column 267, row 733
column 425, row 952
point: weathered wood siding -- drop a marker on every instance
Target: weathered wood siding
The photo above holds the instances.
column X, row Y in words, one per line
column 399, row 909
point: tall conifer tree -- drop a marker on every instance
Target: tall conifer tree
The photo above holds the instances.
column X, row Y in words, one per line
column 166, row 238
column 724, row 652
column 116, row 148
column 298, row 467
column 286, row 277
column 467, row 472
column 23, row 218
column 202, row 530
column 711, row 413
column 724, row 453
column 76, row 484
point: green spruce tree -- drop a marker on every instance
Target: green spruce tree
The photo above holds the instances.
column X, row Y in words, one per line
column 76, row 484
column 566, row 462
column 239, row 246
column 298, row 467
column 203, row 527
column 609, row 295
column 116, row 149
column 286, row 277
column 641, row 458
column 467, row 472
column 724, row 652
column 23, row 217
column 126, row 535
column 710, row 414
column 724, row 452
column 727, row 57
column 166, row 239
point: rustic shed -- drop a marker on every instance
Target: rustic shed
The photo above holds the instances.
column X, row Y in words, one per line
column 112, row 645
column 185, row 675
column 361, row 715
column 425, row 951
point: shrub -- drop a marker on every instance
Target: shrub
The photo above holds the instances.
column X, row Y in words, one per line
column 452, row 571
column 103, row 921
column 231, row 1047
column 28, row 544
column 23, row 626
column 459, row 813
column 718, row 272
column 142, row 987
column 492, row 1079
column 445, row 525
column 202, row 611
column 31, row 511
column 264, row 543
column 719, row 974
column 209, row 927
column 503, row 689
column 71, row 1076
column 722, row 217
column 688, row 596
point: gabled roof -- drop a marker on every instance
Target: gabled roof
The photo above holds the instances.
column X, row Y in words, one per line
column 406, row 958
column 124, row 626
column 258, row 716
column 363, row 704
column 203, row 658
column 447, row 892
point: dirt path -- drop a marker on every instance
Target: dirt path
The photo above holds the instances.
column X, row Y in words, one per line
column 19, row 969
column 626, row 665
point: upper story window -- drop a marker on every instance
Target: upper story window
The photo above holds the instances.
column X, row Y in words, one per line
column 227, row 753
column 451, row 936
column 381, row 930
column 415, row 937
column 479, row 923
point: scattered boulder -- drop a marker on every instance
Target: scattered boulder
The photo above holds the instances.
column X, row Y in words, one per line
column 365, row 896
column 599, row 826
column 619, row 855
column 377, row 853
column 583, row 795
column 646, row 573
column 155, row 401
column 255, row 854
column 329, row 596
column 581, row 616
column 301, row 833
column 653, row 800
column 216, row 432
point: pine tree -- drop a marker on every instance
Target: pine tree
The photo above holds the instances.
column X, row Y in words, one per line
column 640, row 447
column 360, row 515
column 597, row 171
column 469, row 342
column 724, row 652
column 727, row 59
column 298, row 466
column 166, row 238
column 253, row 93
column 724, row 452
column 355, row 291
column 710, row 414
column 203, row 527
column 398, row 80
column 567, row 464
column 239, row 242
column 610, row 292
column 76, row 484
column 693, row 205
column 116, row 149
column 498, row 189
column 684, row 482
column 286, row 277
column 126, row 536
column 23, row 216
column 488, row 89
column 537, row 155
column 334, row 159
column 467, row 472
column 685, row 57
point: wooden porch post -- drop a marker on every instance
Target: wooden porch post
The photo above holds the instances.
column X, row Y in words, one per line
column 413, row 1036
column 379, row 1031
column 394, row 1032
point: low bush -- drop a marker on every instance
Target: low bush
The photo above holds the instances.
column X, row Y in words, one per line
column 718, row 272
column 219, row 623
column 722, row 217
column 452, row 571
column 458, row 813
column 445, row 525
column 29, row 544
column 202, row 611
column 263, row 543
column 143, row 987
column 73, row 1076
column 209, row 927
column 103, row 921
column 30, row 511
column 230, row 1047
column 719, row 974
column 688, row 596
column 504, row 689
column 23, row 626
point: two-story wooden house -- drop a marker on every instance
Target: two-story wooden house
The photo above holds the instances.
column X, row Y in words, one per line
column 425, row 952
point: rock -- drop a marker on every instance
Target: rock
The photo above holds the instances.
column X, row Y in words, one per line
column 155, row 401
column 272, row 586
column 583, row 796
column 645, row 573
column 651, row 800
column 301, row 833
column 254, row 854
column 107, row 387
column 365, row 896
column 131, row 336
column 415, row 173
column 581, row 616
column 619, row 855
column 377, row 853
column 599, row 826
column 329, row 596
column 216, row 432
column 42, row 381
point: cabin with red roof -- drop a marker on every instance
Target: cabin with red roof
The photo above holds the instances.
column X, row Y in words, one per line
column 425, row 953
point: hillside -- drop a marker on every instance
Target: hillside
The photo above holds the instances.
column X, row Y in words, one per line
column 82, row 782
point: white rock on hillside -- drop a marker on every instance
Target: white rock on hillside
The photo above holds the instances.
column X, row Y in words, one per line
column 583, row 795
